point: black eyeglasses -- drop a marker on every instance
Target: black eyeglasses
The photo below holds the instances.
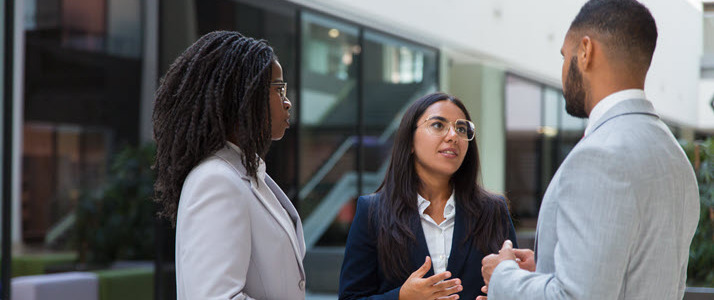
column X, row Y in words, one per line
column 282, row 88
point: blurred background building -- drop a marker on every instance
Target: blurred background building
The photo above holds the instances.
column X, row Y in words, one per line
column 84, row 74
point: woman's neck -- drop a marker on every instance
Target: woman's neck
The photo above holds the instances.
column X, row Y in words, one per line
column 435, row 190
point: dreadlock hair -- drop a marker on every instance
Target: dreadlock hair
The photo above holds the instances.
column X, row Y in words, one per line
column 485, row 213
column 217, row 90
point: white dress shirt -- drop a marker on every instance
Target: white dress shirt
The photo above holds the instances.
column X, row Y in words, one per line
column 608, row 102
column 438, row 236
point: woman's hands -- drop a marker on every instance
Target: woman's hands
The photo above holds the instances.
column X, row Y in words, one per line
column 434, row 287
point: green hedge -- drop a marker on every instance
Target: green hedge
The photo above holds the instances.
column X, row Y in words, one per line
column 134, row 283
column 36, row 264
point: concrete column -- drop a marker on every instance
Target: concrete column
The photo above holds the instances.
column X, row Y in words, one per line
column 481, row 88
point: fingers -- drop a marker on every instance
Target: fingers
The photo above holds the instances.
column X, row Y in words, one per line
column 423, row 269
column 523, row 254
column 507, row 245
column 481, row 298
column 447, row 284
column 449, row 292
column 484, row 289
column 487, row 265
column 525, row 259
column 438, row 277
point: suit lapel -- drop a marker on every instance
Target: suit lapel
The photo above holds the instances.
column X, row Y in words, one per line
column 292, row 212
column 299, row 253
column 420, row 250
column 459, row 249
column 233, row 158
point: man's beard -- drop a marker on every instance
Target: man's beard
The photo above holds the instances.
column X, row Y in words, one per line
column 574, row 92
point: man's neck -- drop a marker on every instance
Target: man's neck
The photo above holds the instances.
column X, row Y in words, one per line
column 598, row 94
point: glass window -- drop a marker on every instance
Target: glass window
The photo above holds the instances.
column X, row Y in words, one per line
column 83, row 62
column 328, row 124
column 396, row 73
column 275, row 23
column 570, row 131
column 540, row 134
column 552, row 101
column 523, row 122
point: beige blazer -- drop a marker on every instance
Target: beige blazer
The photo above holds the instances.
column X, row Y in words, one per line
column 229, row 244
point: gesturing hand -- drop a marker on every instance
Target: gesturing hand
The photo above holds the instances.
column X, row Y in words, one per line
column 489, row 263
column 525, row 259
column 434, row 287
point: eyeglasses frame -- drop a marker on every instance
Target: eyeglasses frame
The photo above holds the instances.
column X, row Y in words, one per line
column 284, row 92
column 451, row 126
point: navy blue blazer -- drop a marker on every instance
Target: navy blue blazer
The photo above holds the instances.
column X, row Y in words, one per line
column 362, row 277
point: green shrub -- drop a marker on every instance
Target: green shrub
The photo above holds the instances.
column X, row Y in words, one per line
column 700, row 271
column 117, row 221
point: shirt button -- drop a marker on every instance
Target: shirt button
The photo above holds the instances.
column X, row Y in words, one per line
column 301, row 285
column 442, row 257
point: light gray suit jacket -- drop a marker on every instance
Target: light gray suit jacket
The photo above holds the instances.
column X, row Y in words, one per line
column 616, row 220
column 229, row 243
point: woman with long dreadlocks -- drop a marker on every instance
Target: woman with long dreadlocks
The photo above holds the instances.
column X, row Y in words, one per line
column 237, row 235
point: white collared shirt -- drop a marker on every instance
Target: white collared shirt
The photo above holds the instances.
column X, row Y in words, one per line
column 276, row 209
column 438, row 236
column 608, row 102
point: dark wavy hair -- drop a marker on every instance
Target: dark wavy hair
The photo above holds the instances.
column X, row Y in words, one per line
column 217, row 90
column 484, row 212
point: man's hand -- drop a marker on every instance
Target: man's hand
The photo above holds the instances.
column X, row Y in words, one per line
column 525, row 259
column 490, row 262
column 484, row 289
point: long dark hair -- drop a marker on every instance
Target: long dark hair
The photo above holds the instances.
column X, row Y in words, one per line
column 217, row 90
column 397, row 207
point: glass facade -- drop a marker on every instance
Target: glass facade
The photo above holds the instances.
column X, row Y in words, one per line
column 85, row 179
column 329, row 103
column 539, row 135
column 82, row 75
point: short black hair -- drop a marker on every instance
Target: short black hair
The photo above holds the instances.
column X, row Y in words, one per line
column 626, row 27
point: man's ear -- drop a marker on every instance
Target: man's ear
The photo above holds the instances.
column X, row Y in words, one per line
column 585, row 53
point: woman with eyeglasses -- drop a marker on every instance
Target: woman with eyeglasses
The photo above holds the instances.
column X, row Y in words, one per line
column 218, row 108
column 423, row 234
